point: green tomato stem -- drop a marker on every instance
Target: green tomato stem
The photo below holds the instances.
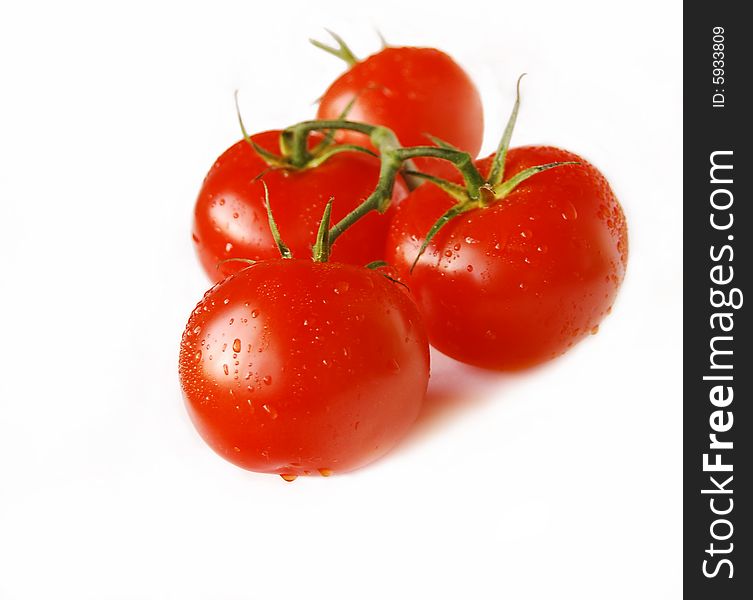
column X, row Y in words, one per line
column 463, row 162
column 378, row 200
column 393, row 157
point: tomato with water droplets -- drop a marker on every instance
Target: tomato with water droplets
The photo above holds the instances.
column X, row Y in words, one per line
column 414, row 92
column 230, row 217
column 521, row 280
column 296, row 367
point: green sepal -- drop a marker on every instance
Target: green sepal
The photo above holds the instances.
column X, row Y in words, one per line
column 440, row 142
column 284, row 250
column 393, row 280
column 329, row 135
column 376, row 264
column 450, row 214
column 343, row 52
column 322, row 246
column 268, row 157
column 497, row 171
column 382, row 39
column 501, row 190
column 458, row 192
column 332, row 150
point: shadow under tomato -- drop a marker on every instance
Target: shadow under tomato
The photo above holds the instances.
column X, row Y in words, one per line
column 454, row 388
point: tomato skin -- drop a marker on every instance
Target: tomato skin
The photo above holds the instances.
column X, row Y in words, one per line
column 413, row 91
column 230, row 219
column 295, row 367
column 521, row 281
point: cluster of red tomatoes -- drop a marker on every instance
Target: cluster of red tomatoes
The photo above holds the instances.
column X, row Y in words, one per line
column 312, row 357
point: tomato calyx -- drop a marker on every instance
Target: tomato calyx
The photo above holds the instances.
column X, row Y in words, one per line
column 476, row 191
column 491, row 190
column 343, row 52
column 323, row 245
column 294, row 157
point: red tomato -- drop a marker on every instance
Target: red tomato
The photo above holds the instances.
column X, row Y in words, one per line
column 520, row 281
column 297, row 368
column 413, row 91
column 230, row 218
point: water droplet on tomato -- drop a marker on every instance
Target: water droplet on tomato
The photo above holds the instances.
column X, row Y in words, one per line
column 287, row 477
column 270, row 411
column 594, row 330
column 267, row 380
column 448, row 253
column 569, row 212
column 526, row 233
column 195, row 239
column 469, row 268
column 228, row 247
column 222, row 201
column 197, row 356
column 225, row 369
column 226, row 301
column 235, row 215
column 197, row 329
column 394, row 366
column 254, row 313
column 342, row 287
column 236, row 345
column 325, row 472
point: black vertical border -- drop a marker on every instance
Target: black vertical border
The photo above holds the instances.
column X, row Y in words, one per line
column 707, row 129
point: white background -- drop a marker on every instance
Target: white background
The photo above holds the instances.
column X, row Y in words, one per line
column 562, row 482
